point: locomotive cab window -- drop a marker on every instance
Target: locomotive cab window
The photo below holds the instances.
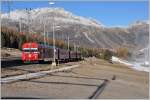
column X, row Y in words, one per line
column 30, row 49
column 26, row 49
column 34, row 50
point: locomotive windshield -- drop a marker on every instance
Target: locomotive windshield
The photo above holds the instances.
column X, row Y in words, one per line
column 30, row 49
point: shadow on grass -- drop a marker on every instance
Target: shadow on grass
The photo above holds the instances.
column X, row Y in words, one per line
column 78, row 77
column 99, row 90
column 18, row 62
column 22, row 98
column 65, row 83
column 94, row 95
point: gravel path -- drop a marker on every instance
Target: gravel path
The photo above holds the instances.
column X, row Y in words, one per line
column 93, row 78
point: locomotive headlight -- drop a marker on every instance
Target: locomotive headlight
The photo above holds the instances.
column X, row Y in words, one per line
column 29, row 55
column 35, row 56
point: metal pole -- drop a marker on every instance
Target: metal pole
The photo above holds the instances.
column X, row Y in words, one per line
column 20, row 25
column 47, row 37
column 28, row 19
column 54, row 58
column 28, row 15
column 68, row 43
column 44, row 35
column 74, row 47
column 54, row 62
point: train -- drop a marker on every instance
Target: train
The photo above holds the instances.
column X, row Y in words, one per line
column 32, row 51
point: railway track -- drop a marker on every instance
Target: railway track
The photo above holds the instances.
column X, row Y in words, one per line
column 34, row 75
column 11, row 61
column 99, row 90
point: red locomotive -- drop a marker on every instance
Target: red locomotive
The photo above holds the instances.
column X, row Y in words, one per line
column 39, row 52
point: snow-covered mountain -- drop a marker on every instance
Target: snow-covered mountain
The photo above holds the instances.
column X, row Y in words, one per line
column 47, row 13
column 83, row 31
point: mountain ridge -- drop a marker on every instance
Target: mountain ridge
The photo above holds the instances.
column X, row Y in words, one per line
column 82, row 31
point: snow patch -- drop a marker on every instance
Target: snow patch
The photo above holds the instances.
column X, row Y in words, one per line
column 45, row 11
column 86, row 35
column 134, row 65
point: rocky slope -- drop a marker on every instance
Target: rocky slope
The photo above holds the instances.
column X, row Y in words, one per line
column 83, row 31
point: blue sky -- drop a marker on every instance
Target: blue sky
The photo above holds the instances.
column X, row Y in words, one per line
column 109, row 13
